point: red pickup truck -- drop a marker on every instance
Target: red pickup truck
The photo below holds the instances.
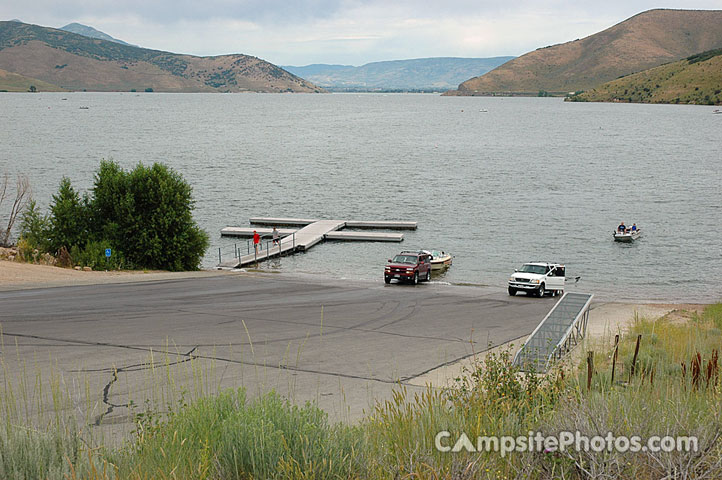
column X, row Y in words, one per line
column 409, row 266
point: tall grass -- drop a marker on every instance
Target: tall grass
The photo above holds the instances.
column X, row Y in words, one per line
column 191, row 433
column 231, row 437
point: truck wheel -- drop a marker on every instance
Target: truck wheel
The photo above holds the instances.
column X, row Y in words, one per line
column 387, row 279
column 541, row 291
column 512, row 291
column 428, row 275
column 415, row 281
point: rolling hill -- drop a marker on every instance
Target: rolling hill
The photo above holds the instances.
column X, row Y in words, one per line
column 438, row 74
column 87, row 31
column 76, row 62
column 12, row 82
column 694, row 80
column 646, row 40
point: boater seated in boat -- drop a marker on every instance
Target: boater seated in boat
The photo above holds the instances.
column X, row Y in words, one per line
column 634, row 227
column 621, row 228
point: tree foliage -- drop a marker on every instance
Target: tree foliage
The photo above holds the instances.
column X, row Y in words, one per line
column 68, row 218
column 144, row 215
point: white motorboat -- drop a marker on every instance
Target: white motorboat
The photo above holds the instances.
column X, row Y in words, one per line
column 439, row 259
column 628, row 236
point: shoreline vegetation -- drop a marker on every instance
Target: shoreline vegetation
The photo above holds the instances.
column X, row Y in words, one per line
column 190, row 431
column 130, row 220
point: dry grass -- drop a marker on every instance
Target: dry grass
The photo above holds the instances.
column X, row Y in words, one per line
column 680, row 82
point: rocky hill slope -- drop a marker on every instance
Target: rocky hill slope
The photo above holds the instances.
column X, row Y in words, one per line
column 694, row 80
column 75, row 62
column 646, row 40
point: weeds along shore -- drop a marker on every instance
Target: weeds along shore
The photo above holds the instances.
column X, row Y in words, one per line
column 660, row 378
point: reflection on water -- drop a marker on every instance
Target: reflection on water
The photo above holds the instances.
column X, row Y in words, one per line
column 527, row 179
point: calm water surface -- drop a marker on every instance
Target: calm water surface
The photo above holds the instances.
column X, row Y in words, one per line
column 495, row 181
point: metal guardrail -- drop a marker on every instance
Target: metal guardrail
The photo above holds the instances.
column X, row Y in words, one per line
column 557, row 334
column 267, row 245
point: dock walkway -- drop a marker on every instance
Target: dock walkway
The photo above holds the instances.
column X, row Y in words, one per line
column 299, row 240
column 304, row 234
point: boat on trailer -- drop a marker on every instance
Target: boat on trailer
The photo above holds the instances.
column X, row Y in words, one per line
column 439, row 259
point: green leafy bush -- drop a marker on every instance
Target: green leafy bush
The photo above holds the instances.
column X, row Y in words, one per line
column 34, row 229
column 68, row 218
column 93, row 255
column 144, row 215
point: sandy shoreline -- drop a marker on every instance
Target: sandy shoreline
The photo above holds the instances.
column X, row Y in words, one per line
column 20, row 276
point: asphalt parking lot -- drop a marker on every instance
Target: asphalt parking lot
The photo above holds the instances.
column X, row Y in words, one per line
column 342, row 344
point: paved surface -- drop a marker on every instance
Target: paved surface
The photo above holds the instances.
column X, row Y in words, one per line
column 341, row 344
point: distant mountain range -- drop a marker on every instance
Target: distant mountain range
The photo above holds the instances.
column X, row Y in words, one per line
column 694, row 80
column 422, row 74
column 646, row 40
column 77, row 62
column 87, row 31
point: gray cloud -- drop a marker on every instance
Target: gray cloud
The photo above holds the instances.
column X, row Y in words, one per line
column 341, row 31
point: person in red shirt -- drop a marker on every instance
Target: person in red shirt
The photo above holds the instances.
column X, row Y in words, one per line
column 256, row 240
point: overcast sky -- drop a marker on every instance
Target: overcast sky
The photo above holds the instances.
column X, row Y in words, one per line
column 350, row 32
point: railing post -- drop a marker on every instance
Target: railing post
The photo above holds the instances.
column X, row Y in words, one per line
column 235, row 251
column 219, row 255
column 294, row 241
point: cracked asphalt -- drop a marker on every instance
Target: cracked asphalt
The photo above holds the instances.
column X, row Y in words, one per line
column 342, row 344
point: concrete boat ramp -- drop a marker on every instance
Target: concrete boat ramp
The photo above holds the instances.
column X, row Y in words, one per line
column 306, row 234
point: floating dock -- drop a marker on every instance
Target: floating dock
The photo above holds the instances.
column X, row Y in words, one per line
column 298, row 222
column 309, row 233
column 366, row 236
column 247, row 232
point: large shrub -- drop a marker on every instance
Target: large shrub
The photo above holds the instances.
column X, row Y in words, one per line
column 146, row 214
column 34, row 228
column 68, row 218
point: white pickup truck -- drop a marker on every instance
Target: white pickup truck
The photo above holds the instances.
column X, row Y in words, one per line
column 538, row 278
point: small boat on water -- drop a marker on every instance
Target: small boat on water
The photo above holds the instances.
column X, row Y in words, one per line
column 439, row 259
column 628, row 236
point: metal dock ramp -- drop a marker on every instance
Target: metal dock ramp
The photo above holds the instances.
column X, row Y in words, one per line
column 558, row 333
column 304, row 234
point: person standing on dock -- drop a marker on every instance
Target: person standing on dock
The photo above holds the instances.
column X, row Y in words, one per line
column 256, row 241
column 275, row 236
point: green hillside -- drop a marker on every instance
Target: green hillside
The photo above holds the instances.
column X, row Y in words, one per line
column 12, row 82
column 696, row 80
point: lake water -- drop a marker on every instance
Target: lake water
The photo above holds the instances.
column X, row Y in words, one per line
column 495, row 181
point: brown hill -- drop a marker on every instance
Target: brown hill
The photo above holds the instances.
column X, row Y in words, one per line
column 75, row 62
column 695, row 80
column 12, row 82
column 644, row 41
